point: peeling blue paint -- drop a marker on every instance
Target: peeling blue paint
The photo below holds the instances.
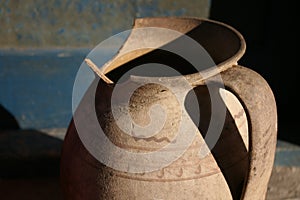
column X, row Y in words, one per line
column 19, row 25
column 33, row 14
column 61, row 30
column 94, row 26
column 39, row 18
column 179, row 12
column 19, row 36
column 36, row 86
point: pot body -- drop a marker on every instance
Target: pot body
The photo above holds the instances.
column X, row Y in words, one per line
column 236, row 167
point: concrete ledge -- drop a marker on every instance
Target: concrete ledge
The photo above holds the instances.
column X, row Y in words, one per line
column 38, row 152
column 284, row 184
column 30, row 166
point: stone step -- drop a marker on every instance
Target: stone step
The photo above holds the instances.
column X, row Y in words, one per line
column 30, row 166
column 38, row 152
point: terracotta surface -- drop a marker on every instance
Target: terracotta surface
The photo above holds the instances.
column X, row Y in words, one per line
column 284, row 184
column 233, row 169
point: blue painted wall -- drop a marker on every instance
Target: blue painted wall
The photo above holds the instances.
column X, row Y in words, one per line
column 43, row 43
column 36, row 85
column 81, row 23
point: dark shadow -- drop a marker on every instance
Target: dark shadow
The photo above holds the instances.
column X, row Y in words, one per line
column 7, row 120
column 219, row 44
column 28, row 154
column 229, row 151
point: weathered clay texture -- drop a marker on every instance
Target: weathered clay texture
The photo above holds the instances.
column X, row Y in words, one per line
column 236, row 168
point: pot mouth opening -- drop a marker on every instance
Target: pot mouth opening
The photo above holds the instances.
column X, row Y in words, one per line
column 222, row 44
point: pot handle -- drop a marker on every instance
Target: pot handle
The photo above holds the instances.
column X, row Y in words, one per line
column 259, row 104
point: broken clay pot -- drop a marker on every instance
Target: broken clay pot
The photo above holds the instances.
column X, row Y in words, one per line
column 238, row 164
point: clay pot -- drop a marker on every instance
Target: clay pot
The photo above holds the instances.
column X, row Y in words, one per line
column 240, row 162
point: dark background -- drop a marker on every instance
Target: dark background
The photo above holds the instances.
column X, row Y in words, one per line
column 270, row 29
